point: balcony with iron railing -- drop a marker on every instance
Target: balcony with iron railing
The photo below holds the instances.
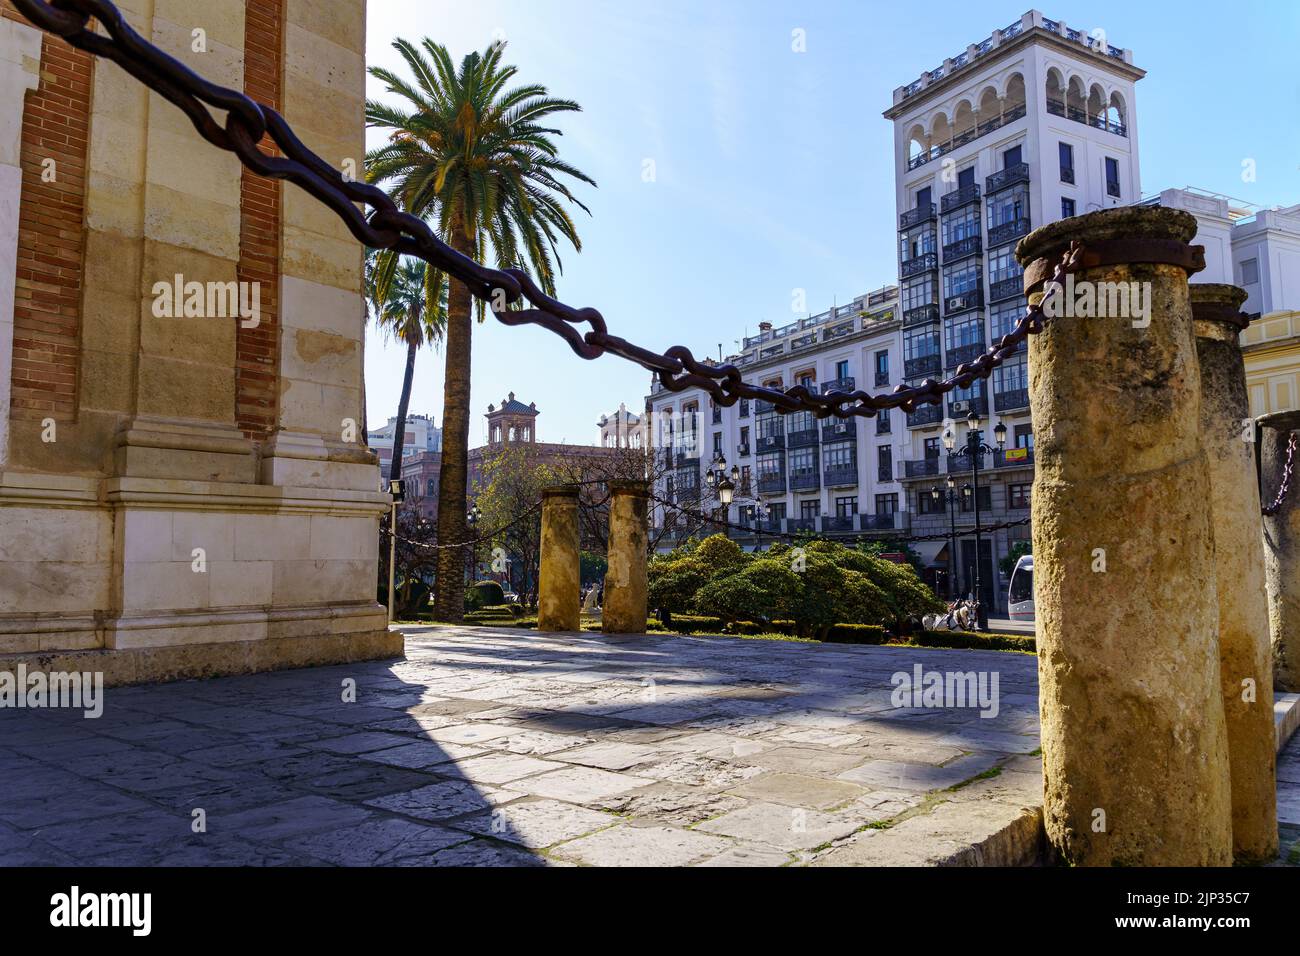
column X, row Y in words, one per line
column 805, row 481
column 924, row 416
column 840, row 476
column 1059, row 108
column 1006, row 288
column 972, row 298
column 959, row 463
column 921, row 315
column 839, row 429
column 961, row 196
column 961, row 407
column 922, row 365
column 1013, row 458
column 925, row 262
column 1005, row 232
column 771, row 484
column 837, row 331
column 916, row 216
column 845, row 384
column 837, row 524
column 1011, row 399
column 970, row 134
column 800, row 525
column 888, row 521
column 803, row 438
column 962, row 249
column 882, row 378
column 742, row 449
column 919, row 468
column 884, row 472
column 1004, row 178
column 959, row 354
column 762, row 405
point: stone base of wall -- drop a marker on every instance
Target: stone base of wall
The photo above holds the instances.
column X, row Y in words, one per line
column 144, row 665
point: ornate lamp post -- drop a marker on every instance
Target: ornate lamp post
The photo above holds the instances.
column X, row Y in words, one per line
column 722, row 483
column 975, row 451
column 948, row 497
column 760, row 515
column 472, row 519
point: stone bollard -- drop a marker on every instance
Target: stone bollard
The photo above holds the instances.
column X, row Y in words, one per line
column 629, row 541
column 1282, row 550
column 558, row 604
column 1246, row 667
column 1135, row 756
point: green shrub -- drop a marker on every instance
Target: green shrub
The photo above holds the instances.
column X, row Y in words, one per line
column 696, row 624
column 975, row 640
column 857, row 634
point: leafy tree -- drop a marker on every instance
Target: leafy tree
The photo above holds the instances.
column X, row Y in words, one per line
column 472, row 154
column 1014, row 553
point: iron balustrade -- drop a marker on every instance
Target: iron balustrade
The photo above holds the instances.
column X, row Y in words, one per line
column 1003, row 178
column 914, row 217
column 837, row 430
column 925, row 416
column 1013, row 457
column 972, row 298
column 845, row 384
column 920, row 468
column 1006, row 288
column 1067, row 175
column 921, row 315
column 961, row 196
column 1003, row 233
column 771, row 484
column 921, row 365
column 1011, row 399
column 742, row 450
column 961, row 407
column 837, row 523
column 884, row 473
column 925, row 262
column 882, row 378
column 801, row 439
column 840, row 476
column 797, row 525
column 963, row 353
column 962, row 249
column 805, row 481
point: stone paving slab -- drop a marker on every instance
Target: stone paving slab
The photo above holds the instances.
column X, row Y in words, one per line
column 487, row 747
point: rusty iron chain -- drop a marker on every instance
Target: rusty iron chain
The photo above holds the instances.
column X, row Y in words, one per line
column 388, row 227
column 1288, row 471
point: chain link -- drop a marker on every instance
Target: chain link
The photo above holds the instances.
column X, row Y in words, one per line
column 388, row 227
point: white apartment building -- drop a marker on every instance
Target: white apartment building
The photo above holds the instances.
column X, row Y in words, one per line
column 422, row 436
column 623, row 429
column 1034, row 123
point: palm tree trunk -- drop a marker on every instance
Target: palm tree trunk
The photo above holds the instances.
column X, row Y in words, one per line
column 399, row 431
column 453, row 478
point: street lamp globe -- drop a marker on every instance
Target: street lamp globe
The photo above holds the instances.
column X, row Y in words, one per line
column 726, row 491
column 973, row 421
column 949, row 439
column 952, row 482
column 1000, row 433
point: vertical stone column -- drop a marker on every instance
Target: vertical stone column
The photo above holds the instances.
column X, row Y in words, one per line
column 1282, row 550
column 629, row 541
column 558, row 607
column 1135, row 757
column 1246, row 668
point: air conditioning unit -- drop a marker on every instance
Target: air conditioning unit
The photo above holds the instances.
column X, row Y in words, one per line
column 957, row 302
column 956, row 407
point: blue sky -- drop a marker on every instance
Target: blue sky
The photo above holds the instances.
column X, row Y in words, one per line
column 773, row 169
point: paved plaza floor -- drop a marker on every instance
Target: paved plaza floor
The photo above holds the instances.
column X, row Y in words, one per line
column 493, row 747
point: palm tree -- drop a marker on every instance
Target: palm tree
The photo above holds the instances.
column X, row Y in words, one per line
column 470, row 155
column 405, row 310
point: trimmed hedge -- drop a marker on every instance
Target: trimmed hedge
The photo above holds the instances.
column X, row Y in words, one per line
column 975, row 640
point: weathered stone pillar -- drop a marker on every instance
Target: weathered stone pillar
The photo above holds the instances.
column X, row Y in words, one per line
column 1246, row 667
column 558, row 606
column 1135, row 757
column 629, row 541
column 1282, row 550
